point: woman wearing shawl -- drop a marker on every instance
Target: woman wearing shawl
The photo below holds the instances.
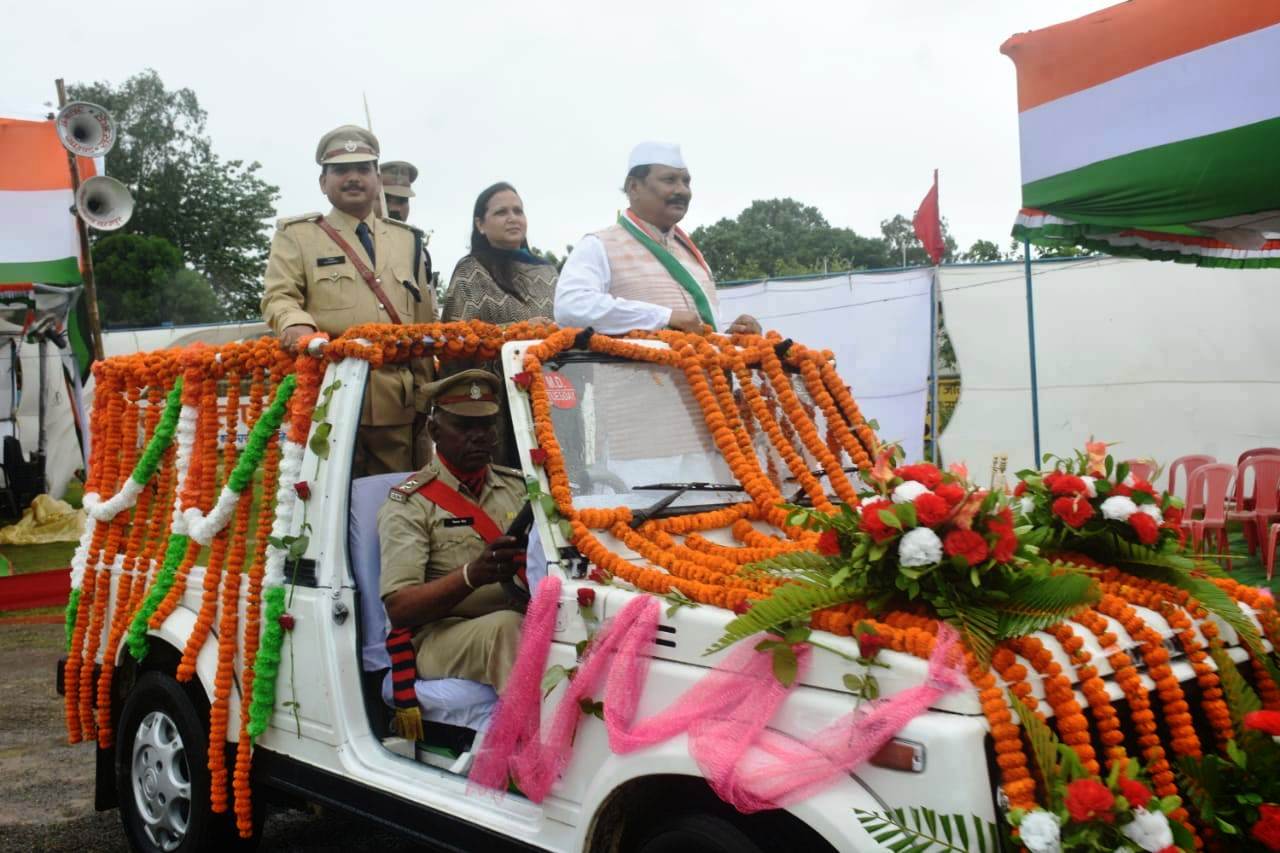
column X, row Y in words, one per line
column 499, row 282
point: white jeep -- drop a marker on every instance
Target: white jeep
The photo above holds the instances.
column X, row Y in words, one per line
column 329, row 742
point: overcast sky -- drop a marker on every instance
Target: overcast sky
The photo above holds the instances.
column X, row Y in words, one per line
column 845, row 105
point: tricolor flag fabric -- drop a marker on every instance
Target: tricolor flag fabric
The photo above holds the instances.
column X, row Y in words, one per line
column 1152, row 129
column 37, row 230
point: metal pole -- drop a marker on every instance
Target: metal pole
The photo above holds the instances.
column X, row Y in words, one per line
column 86, row 257
column 382, row 193
column 933, row 367
column 1031, row 340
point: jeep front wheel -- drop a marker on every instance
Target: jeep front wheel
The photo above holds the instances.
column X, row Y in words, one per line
column 161, row 772
column 698, row 832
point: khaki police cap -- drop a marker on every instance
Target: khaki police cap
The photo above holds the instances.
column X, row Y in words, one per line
column 470, row 393
column 347, row 144
column 398, row 177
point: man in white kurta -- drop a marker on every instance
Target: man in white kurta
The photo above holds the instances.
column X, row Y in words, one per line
column 644, row 272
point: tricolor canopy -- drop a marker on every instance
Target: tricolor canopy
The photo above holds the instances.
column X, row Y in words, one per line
column 1152, row 129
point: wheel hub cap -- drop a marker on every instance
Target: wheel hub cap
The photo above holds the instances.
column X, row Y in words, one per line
column 161, row 781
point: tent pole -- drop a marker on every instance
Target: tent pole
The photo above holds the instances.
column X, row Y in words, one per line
column 1031, row 338
column 933, row 367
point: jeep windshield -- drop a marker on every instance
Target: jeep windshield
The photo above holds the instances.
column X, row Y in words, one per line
column 630, row 431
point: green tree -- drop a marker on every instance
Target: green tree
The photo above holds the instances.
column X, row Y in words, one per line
column 900, row 234
column 555, row 260
column 142, row 282
column 983, row 251
column 781, row 237
column 214, row 211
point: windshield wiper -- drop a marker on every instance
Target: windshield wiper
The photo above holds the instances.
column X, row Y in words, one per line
column 640, row 516
column 689, row 487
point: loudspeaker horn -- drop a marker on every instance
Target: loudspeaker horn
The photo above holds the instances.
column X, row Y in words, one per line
column 86, row 130
column 104, row 203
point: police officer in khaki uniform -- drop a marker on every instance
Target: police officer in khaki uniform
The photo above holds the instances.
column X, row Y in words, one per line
column 397, row 186
column 439, row 577
column 316, row 279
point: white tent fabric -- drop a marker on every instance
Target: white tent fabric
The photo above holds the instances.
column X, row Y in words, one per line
column 1164, row 358
column 877, row 324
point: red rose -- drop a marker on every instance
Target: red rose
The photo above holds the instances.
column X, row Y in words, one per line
column 1020, row 489
column 952, row 493
column 869, row 644
column 829, row 543
column 1007, row 543
column 586, row 596
column 523, row 379
column 966, row 544
column 741, row 607
column 1146, row 527
column 1067, row 484
column 1267, row 829
column 923, row 473
column 286, row 621
column 872, row 525
column 1263, row 721
column 1173, row 516
column 538, row 456
column 931, row 509
column 1089, row 799
column 1144, row 486
column 1074, row 511
column 302, row 489
column 1135, row 792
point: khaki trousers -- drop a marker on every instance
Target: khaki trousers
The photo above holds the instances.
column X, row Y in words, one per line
column 397, row 449
column 481, row 649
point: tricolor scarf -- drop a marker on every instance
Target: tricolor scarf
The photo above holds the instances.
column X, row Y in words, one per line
column 635, row 228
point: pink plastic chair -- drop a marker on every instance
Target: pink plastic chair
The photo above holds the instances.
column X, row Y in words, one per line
column 1269, row 559
column 1140, row 469
column 1186, row 464
column 1208, row 487
column 1257, row 509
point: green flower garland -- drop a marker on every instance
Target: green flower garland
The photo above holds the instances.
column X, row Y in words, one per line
column 266, row 667
column 73, row 604
column 239, row 479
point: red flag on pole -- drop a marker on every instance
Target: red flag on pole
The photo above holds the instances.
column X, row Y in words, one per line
column 928, row 224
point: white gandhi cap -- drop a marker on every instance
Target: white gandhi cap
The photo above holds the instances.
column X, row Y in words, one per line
column 656, row 154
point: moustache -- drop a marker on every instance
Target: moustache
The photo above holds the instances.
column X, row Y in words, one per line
column 679, row 199
column 346, row 187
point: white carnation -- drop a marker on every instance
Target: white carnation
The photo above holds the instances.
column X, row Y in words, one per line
column 1039, row 832
column 1089, row 485
column 920, row 547
column 908, row 491
column 1148, row 830
column 1028, row 504
column 1118, row 508
column 1152, row 510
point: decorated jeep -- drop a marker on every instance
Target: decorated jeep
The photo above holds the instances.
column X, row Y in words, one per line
column 750, row 626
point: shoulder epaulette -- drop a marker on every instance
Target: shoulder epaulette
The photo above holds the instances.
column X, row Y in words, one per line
column 286, row 221
column 399, row 224
column 507, row 472
column 402, row 492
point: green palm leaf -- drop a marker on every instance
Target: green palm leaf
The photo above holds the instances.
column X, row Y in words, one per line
column 1044, row 746
column 920, row 829
column 787, row 603
column 1035, row 604
column 978, row 624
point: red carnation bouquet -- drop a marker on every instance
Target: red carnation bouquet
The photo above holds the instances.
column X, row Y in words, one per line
column 1086, row 497
column 925, row 536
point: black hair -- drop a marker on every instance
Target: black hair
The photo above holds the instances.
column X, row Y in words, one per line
column 496, row 262
column 637, row 172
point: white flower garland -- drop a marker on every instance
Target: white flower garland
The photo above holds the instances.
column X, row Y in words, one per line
column 186, row 435
column 81, row 558
column 203, row 528
column 290, row 471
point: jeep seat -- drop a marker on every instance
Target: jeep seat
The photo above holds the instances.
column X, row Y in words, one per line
column 454, row 701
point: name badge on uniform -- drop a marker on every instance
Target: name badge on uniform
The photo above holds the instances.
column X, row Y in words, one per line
column 459, row 522
column 328, row 262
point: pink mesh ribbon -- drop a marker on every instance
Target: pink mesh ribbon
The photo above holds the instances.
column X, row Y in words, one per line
column 725, row 714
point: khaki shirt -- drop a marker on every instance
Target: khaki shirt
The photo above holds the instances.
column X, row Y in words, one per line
column 310, row 280
column 419, row 543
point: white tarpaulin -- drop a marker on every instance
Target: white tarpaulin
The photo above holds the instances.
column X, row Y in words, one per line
column 1164, row 358
column 877, row 324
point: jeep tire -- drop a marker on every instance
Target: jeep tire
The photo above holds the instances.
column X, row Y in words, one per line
column 162, row 775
